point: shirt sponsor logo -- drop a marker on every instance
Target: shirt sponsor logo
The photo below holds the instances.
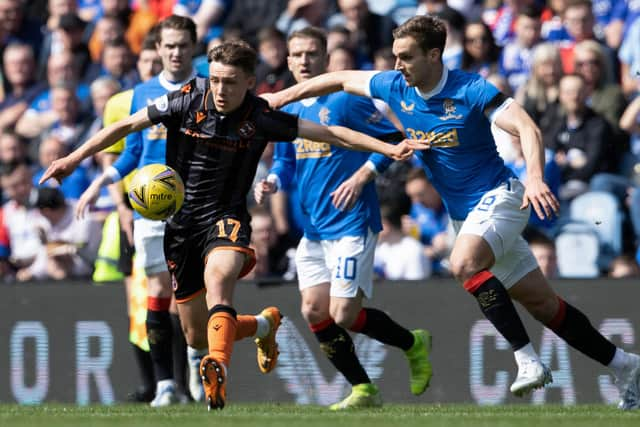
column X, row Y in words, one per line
column 308, row 149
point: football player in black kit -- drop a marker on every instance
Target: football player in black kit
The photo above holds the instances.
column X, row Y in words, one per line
column 217, row 131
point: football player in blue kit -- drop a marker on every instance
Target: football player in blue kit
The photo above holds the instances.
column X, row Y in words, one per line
column 449, row 114
column 334, row 259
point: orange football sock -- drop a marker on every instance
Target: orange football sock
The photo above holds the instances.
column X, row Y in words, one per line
column 247, row 326
column 221, row 332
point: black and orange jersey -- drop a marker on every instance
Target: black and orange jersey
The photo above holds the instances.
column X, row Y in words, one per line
column 216, row 154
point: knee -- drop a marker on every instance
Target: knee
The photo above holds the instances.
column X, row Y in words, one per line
column 314, row 311
column 344, row 315
column 464, row 267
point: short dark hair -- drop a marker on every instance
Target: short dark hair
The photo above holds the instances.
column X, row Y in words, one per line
column 531, row 11
column 176, row 22
column 429, row 32
column 270, row 33
column 416, row 173
column 151, row 39
column 314, row 33
column 237, row 53
column 393, row 210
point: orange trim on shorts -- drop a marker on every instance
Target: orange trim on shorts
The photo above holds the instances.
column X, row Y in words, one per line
column 249, row 263
column 190, row 297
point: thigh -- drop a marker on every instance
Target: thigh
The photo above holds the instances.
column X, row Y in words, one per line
column 185, row 263
column 350, row 260
column 223, row 267
column 311, row 265
column 515, row 264
column 497, row 218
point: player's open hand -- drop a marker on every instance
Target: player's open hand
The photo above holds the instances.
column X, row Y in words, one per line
column 59, row 169
column 88, row 198
column 543, row 201
column 401, row 151
column 418, row 144
column 263, row 189
column 345, row 196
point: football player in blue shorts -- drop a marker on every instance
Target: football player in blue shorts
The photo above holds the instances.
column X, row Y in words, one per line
column 334, row 259
column 449, row 113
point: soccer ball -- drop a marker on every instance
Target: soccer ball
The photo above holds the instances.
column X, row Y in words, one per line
column 156, row 191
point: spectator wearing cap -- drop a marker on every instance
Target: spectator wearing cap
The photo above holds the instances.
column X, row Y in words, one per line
column 19, row 67
column 70, row 248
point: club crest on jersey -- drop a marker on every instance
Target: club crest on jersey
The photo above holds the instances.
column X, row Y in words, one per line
column 407, row 108
column 246, row 130
column 450, row 110
column 323, row 115
column 161, row 103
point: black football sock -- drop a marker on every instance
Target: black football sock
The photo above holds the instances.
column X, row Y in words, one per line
column 145, row 366
column 159, row 333
column 378, row 325
column 574, row 327
column 337, row 345
column 497, row 307
column 179, row 351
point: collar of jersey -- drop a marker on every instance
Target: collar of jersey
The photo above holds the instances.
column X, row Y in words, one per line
column 174, row 86
column 436, row 90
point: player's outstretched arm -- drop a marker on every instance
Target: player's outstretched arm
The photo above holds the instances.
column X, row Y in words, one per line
column 351, row 139
column 106, row 137
column 516, row 121
column 355, row 82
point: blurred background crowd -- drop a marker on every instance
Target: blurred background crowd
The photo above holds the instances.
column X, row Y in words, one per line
column 573, row 64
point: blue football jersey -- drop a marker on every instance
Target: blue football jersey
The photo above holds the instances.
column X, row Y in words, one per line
column 463, row 162
column 320, row 167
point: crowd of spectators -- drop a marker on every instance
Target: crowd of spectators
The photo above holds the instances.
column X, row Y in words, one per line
column 573, row 64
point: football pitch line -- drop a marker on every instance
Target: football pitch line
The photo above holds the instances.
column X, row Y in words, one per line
column 288, row 415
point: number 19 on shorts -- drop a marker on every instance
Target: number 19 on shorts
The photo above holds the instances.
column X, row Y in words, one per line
column 346, row 268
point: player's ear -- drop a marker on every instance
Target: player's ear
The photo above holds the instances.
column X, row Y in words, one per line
column 251, row 81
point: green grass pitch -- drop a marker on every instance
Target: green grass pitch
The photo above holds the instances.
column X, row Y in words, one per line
column 288, row 415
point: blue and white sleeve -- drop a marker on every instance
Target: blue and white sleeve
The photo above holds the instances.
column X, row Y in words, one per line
column 283, row 167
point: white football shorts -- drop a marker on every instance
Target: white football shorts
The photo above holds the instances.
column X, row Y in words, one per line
column 345, row 263
column 148, row 239
column 498, row 219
